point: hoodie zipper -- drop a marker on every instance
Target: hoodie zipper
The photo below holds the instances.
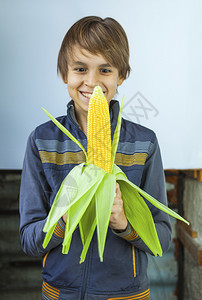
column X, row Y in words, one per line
column 85, row 274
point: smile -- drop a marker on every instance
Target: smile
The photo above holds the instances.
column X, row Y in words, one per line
column 87, row 95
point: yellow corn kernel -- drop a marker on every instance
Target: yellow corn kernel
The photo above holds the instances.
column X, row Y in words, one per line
column 99, row 131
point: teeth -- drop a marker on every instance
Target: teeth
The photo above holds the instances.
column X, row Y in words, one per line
column 87, row 95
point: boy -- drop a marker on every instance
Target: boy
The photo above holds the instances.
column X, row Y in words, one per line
column 93, row 52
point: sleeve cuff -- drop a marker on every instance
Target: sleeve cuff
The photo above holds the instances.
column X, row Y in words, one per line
column 129, row 234
column 59, row 230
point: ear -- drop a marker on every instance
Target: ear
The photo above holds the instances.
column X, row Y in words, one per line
column 120, row 81
column 64, row 79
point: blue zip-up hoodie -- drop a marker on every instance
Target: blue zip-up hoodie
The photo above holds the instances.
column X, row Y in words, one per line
column 49, row 157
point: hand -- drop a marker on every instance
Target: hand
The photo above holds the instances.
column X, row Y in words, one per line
column 118, row 220
column 64, row 218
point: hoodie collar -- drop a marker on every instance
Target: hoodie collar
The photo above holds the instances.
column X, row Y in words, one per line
column 113, row 110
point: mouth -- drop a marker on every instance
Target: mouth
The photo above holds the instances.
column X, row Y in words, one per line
column 87, row 95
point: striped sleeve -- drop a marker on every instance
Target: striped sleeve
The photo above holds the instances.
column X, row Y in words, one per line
column 129, row 234
column 59, row 230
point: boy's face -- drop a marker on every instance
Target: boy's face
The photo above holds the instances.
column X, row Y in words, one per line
column 87, row 70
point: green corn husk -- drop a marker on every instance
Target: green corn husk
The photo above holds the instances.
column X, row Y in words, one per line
column 90, row 206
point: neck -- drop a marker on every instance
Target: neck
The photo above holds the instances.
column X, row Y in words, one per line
column 82, row 121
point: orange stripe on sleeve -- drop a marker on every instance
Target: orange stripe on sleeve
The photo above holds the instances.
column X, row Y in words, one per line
column 129, row 235
column 44, row 259
column 50, row 292
column 59, row 230
column 134, row 266
column 141, row 296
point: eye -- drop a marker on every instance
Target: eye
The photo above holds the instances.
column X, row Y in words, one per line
column 105, row 70
column 80, row 70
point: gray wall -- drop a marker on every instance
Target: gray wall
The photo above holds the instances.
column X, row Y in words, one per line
column 192, row 201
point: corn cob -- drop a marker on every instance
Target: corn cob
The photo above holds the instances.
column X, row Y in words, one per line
column 99, row 131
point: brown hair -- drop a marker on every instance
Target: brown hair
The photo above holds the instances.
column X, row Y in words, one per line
column 98, row 36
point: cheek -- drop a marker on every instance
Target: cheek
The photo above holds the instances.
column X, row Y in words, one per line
column 73, row 86
column 112, row 89
column 72, row 82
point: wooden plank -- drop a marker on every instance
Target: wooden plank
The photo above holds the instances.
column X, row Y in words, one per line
column 22, row 294
column 188, row 229
column 193, row 173
column 20, row 275
column 19, row 259
column 172, row 192
column 10, row 245
column 9, row 191
column 192, row 245
column 171, row 172
column 9, row 232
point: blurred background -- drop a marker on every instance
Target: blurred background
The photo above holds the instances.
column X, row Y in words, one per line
column 163, row 93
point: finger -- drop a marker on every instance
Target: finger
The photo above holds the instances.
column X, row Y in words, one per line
column 116, row 210
column 118, row 191
column 117, row 201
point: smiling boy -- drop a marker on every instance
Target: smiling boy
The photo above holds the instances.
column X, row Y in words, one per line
column 85, row 71
column 94, row 52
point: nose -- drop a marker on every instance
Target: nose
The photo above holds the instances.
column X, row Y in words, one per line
column 91, row 79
